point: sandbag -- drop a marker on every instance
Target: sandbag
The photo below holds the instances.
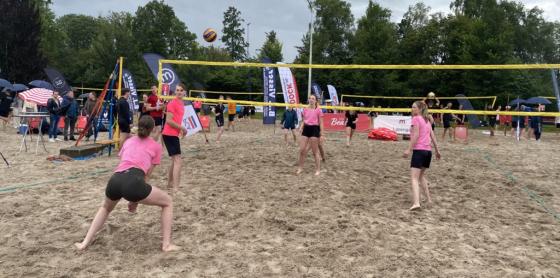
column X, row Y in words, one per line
column 383, row 133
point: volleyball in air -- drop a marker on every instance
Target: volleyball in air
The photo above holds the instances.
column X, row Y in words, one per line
column 210, row 35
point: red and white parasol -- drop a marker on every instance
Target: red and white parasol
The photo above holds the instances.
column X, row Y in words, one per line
column 39, row 96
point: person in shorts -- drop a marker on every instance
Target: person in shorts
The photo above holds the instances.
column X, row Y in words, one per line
column 447, row 118
column 311, row 134
column 219, row 112
column 289, row 122
column 232, row 111
column 421, row 139
column 155, row 107
column 505, row 120
column 351, row 120
column 172, row 130
column 139, row 156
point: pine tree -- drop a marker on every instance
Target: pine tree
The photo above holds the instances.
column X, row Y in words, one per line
column 233, row 34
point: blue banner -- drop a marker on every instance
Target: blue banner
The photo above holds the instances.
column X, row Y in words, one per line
column 128, row 82
column 269, row 90
column 169, row 76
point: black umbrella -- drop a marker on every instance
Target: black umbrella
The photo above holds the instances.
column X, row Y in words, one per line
column 538, row 100
column 42, row 84
column 20, row 88
column 6, row 84
column 517, row 101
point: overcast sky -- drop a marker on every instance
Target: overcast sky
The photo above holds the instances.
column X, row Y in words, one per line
column 289, row 18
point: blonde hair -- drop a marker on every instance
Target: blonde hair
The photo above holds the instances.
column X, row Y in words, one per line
column 423, row 108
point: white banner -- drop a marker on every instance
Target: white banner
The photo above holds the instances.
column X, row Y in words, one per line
column 289, row 87
column 191, row 121
column 333, row 94
column 399, row 124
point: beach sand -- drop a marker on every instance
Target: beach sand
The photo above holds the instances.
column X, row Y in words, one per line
column 241, row 212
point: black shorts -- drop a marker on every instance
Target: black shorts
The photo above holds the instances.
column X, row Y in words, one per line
column 492, row 121
column 446, row 124
column 197, row 110
column 351, row 125
column 421, row 159
column 520, row 124
column 124, row 126
column 289, row 126
column 129, row 184
column 231, row 117
column 433, row 126
column 158, row 121
column 220, row 121
column 558, row 125
column 172, row 144
column 311, row 131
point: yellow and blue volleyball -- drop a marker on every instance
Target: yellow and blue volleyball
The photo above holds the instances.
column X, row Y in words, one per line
column 209, row 35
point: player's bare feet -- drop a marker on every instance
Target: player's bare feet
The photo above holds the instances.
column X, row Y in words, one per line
column 132, row 207
column 299, row 171
column 414, row 207
column 80, row 246
column 170, row 248
column 317, row 172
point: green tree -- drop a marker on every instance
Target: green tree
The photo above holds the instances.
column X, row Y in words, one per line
column 333, row 32
column 21, row 59
column 376, row 43
column 156, row 29
column 272, row 48
column 233, row 34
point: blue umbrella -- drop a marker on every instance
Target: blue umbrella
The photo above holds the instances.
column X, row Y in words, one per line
column 42, row 84
column 5, row 84
column 538, row 100
column 517, row 101
column 20, row 88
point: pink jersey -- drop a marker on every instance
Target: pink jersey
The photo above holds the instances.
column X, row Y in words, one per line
column 312, row 116
column 424, row 128
column 139, row 153
column 177, row 108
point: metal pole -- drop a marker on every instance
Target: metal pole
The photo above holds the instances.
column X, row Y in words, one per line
column 248, row 54
column 310, row 46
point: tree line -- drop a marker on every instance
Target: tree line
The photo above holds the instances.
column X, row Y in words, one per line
column 85, row 48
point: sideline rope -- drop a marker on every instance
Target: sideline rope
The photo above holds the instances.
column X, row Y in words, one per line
column 509, row 175
column 374, row 109
column 70, row 178
column 369, row 67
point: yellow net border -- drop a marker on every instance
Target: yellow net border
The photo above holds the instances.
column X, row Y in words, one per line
column 368, row 67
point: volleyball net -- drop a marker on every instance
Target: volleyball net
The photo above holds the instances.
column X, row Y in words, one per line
column 190, row 96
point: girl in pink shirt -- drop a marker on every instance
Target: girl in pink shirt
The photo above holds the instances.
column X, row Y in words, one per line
column 421, row 137
column 139, row 155
column 311, row 132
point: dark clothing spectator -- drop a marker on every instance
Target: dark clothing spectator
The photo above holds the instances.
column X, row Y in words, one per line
column 53, row 106
column 70, row 109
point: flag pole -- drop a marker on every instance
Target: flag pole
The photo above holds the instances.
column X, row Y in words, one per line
column 119, row 87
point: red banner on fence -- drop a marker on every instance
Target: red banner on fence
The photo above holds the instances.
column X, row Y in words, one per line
column 337, row 122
